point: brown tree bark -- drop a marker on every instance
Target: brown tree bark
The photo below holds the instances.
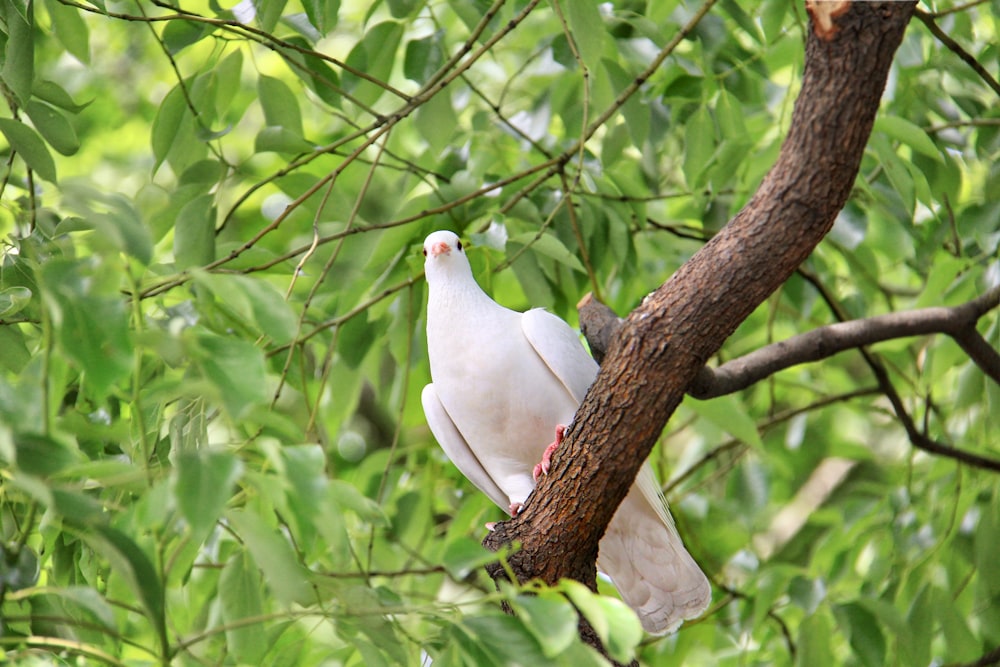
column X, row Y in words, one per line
column 665, row 341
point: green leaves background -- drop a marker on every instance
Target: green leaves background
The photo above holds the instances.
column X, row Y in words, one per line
column 211, row 328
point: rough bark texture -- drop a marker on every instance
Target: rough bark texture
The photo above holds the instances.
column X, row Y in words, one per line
column 667, row 339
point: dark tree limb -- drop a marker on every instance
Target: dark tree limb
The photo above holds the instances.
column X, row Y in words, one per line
column 959, row 322
column 600, row 325
column 665, row 342
column 928, row 20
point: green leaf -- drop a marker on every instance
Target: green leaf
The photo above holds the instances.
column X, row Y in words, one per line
column 87, row 599
column 909, row 134
column 241, row 598
column 614, row 622
column 90, row 319
column 203, row 485
column 280, row 106
column 814, row 649
column 374, row 55
column 939, row 280
column 70, row 29
column 730, row 115
column 436, row 121
column 15, row 350
column 43, row 456
column 234, row 367
column 54, row 127
column 284, row 575
column 550, row 618
column 464, row 555
column 18, row 569
column 423, row 58
column 26, row 142
column 131, row 563
column 256, row 301
column 403, row 8
column 316, row 73
column 506, row 639
column 322, row 14
column 111, row 215
column 730, row 415
column 13, row 300
column 587, row 28
column 896, row 171
column 699, row 145
column 281, row 140
column 56, row 95
column 748, row 24
column 179, row 34
column 551, row 247
column 865, row 633
column 170, row 117
column 269, row 12
column 194, row 233
column 962, row 644
column 18, row 68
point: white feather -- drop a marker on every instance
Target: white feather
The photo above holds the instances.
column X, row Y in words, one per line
column 501, row 383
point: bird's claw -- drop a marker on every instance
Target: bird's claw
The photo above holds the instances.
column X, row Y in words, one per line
column 542, row 468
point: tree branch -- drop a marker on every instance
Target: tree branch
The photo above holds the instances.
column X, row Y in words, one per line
column 666, row 341
column 959, row 322
column 600, row 325
column 928, row 20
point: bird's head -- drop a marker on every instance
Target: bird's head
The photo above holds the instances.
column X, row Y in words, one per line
column 444, row 255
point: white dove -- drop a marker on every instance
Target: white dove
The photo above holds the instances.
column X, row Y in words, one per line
column 503, row 382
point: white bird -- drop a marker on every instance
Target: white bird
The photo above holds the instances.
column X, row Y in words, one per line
column 502, row 383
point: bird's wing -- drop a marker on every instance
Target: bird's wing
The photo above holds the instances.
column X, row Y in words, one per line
column 457, row 449
column 650, row 567
column 561, row 350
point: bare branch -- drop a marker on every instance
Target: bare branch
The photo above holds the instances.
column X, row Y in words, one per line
column 959, row 322
column 600, row 325
column 956, row 48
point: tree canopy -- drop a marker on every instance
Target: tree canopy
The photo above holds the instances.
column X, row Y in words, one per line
column 211, row 328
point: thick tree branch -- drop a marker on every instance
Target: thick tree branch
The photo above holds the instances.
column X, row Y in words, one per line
column 600, row 325
column 959, row 322
column 667, row 340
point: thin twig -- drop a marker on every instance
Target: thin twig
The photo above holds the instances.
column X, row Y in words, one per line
column 956, row 48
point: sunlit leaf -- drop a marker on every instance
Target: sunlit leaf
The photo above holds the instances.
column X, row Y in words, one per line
column 194, row 234
column 71, row 29
column 284, row 575
column 374, row 55
column 204, row 485
column 18, row 67
column 234, row 367
column 30, row 147
column 240, row 594
column 91, row 323
column 730, row 415
column 13, row 300
column 54, row 127
column 907, row 133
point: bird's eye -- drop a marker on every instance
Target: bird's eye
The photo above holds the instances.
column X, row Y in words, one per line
column 459, row 245
column 425, row 252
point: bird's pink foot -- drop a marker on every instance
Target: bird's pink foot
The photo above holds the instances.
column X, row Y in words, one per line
column 515, row 508
column 543, row 466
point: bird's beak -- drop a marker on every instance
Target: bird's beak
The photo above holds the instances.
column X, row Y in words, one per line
column 439, row 248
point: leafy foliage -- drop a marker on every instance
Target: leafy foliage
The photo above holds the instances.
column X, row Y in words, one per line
column 211, row 345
